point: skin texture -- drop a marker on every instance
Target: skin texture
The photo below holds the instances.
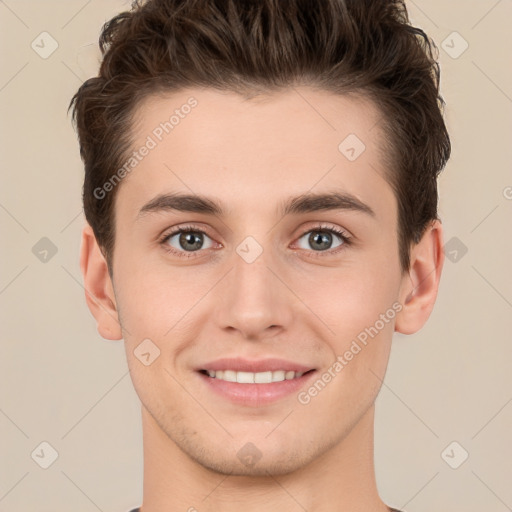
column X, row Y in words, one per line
column 293, row 302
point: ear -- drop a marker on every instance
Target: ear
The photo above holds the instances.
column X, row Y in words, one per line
column 99, row 291
column 418, row 290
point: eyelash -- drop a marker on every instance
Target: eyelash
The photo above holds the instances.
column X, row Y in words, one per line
column 346, row 240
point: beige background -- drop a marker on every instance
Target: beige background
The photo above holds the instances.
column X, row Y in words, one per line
column 62, row 384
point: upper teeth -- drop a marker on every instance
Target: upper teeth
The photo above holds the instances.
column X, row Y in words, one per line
column 251, row 378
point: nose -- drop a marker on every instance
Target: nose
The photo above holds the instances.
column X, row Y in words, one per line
column 254, row 300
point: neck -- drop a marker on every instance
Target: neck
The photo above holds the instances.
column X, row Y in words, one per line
column 340, row 480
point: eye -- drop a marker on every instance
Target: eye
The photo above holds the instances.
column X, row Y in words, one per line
column 188, row 241
column 323, row 238
column 185, row 240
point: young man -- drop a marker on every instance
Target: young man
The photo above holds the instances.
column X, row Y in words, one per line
column 260, row 192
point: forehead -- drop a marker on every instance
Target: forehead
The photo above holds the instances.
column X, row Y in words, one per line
column 298, row 114
column 282, row 143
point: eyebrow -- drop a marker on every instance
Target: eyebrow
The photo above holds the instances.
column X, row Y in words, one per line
column 305, row 203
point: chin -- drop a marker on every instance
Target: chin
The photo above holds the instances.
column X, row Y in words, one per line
column 242, row 466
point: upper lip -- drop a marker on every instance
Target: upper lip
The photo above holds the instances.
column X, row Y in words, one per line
column 261, row 365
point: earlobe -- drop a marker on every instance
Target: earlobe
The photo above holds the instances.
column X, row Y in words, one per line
column 99, row 292
column 420, row 284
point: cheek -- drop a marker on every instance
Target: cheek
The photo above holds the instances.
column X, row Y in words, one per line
column 351, row 301
column 153, row 299
column 359, row 311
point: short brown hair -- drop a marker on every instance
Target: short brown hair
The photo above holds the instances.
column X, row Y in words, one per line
column 250, row 46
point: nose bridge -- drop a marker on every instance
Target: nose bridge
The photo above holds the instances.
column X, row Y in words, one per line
column 253, row 278
column 255, row 299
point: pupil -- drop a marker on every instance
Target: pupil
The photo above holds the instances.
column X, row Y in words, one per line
column 317, row 238
column 194, row 241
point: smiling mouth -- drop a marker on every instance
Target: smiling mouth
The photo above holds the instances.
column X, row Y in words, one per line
column 252, row 377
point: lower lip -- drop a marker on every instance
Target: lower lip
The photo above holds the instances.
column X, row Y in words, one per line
column 256, row 395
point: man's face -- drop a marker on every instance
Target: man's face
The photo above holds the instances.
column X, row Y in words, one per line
column 258, row 281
